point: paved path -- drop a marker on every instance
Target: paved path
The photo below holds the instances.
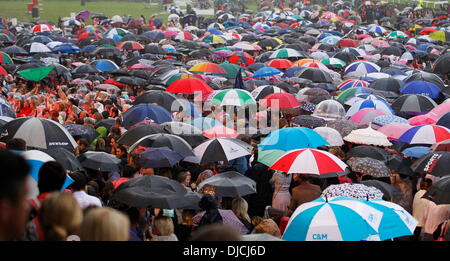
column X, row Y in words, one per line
column 183, row 3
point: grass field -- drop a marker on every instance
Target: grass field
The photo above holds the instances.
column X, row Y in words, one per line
column 52, row 9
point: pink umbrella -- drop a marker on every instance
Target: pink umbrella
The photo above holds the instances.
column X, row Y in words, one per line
column 365, row 116
column 228, row 218
column 394, row 130
column 432, row 116
column 77, row 64
column 81, row 81
column 380, row 43
column 220, row 132
column 410, row 47
column 222, row 53
column 363, row 36
column 170, row 33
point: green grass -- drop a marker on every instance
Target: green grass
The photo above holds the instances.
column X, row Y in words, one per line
column 52, row 9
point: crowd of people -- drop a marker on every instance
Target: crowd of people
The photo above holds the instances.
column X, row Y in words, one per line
column 326, row 65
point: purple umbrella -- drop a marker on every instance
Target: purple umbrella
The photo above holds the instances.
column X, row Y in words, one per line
column 228, row 217
column 83, row 15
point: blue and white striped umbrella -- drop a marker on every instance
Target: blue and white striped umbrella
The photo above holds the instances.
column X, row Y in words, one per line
column 35, row 159
column 362, row 68
column 370, row 103
column 335, row 219
column 376, row 29
column 396, row 221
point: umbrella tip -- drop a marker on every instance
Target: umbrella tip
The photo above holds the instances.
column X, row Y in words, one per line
column 367, row 197
column 326, row 198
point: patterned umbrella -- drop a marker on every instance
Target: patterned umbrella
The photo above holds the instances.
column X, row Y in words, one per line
column 433, row 163
column 308, row 121
column 347, row 84
column 365, row 116
column 344, row 127
column 388, row 119
column 352, row 190
column 369, row 166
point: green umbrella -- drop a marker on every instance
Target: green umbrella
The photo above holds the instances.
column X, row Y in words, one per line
column 233, row 97
column 5, row 58
column 36, row 74
column 232, row 70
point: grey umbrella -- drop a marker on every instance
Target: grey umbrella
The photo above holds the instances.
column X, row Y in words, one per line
column 229, row 184
column 173, row 142
column 101, row 161
column 344, row 127
column 439, row 193
column 369, row 166
column 388, row 190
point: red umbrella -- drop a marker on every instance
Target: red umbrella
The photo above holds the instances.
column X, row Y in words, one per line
column 280, row 63
column 138, row 66
column 280, row 100
column 348, row 43
column 86, row 34
column 130, row 45
column 118, row 84
column 189, row 85
column 428, row 30
column 241, row 59
column 310, row 161
column 3, row 71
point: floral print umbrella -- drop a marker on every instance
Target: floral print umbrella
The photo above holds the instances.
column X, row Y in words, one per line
column 369, row 166
column 353, row 190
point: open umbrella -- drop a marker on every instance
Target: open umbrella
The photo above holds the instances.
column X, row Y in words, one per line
column 136, row 133
column 315, row 75
column 369, row 166
column 413, row 104
column 389, row 191
column 421, row 87
column 159, row 158
column 310, row 161
column 101, row 161
column 370, row 152
column 170, row 141
column 221, row 149
column 425, row 134
column 161, row 98
column 207, row 67
column 280, row 100
column 332, row 136
column 144, row 111
column 439, row 192
column 66, row 158
column 266, row 71
column 368, row 136
column 151, row 191
column 36, row 74
column 308, row 121
column 441, row 146
column 344, row 127
column 433, row 163
column 38, row 133
column 230, row 184
column 233, row 97
column 191, row 86
column 325, row 220
column 352, row 190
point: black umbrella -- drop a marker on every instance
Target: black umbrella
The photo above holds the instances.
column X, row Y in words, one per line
column 160, row 98
column 129, row 37
column 388, row 190
column 268, row 43
column 159, row 158
column 193, row 139
column 86, row 68
column 315, row 75
column 386, row 84
column 66, row 158
column 308, row 39
column 155, row 49
column 29, row 65
column 434, row 163
column 120, row 72
column 392, row 50
column 428, row 77
column 173, row 142
column 222, row 149
column 264, row 57
column 203, row 53
column 107, row 123
column 145, row 75
column 230, row 184
column 132, row 81
column 399, row 164
column 101, row 161
column 412, row 104
column 441, row 64
column 15, row 50
column 107, row 51
column 308, row 121
column 151, row 191
column 347, row 57
column 82, row 131
column 369, row 151
column 134, row 134
column 254, row 67
column 439, row 192
column 38, row 133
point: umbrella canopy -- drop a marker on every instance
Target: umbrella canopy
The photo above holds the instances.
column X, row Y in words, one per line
column 207, row 67
column 361, row 68
column 280, row 63
column 241, row 58
column 425, row 134
column 324, row 220
column 315, row 75
column 421, row 87
column 142, row 112
column 233, row 97
column 38, row 133
column 36, row 74
column 280, row 100
column 82, row 131
column 332, row 136
column 347, row 84
column 433, row 163
column 221, row 149
column 308, row 121
column 310, row 161
column 159, row 158
column 191, row 86
column 105, row 65
column 370, row 152
column 369, row 166
column 329, row 110
column 265, row 90
column 170, row 141
column 130, row 45
column 134, row 134
column 381, row 105
column 151, row 191
column 368, row 136
column 66, row 158
column 100, row 161
column 441, row 146
column 439, row 192
column 352, row 190
column 366, row 116
column 286, row 53
column 389, row 191
column 413, row 104
column 230, row 184
column 344, row 127
column 266, row 71
column 6, row 110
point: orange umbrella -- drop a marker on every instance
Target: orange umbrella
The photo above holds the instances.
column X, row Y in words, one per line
column 301, row 62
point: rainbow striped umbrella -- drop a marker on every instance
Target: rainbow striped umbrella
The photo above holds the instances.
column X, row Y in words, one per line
column 207, row 67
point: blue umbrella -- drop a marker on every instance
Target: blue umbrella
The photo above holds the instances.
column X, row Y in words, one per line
column 5, row 109
column 66, row 48
column 321, row 36
column 205, row 123
column 393, row 72
column 105, row 65
column 145, row 111
column 215, row 31
column 396, row 221
column 266, row 71
column 292, row 138
column 41, row 39
column 444, row 120
column 154, row 35
column 89, row 49
column 59, row 39
column 159, row 158
column 416, row 151
column 337, row 219
column 387, row 119
column 291, row 71
column 188, row 108
column 421, row 87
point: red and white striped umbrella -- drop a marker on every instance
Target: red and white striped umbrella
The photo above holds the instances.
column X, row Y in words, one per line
column 310, row 161
column 42, row 28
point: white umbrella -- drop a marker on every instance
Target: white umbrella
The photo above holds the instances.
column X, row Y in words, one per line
column 39, row 48
column 52, row 45
column 368, row 136
column 222, row 149
column 331, row 135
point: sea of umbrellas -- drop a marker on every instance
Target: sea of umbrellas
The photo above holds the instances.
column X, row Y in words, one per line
column 353, row 85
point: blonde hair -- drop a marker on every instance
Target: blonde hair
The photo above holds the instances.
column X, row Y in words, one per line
column 240, row 208
column 164, row 225
column 104, row 224
column 60, row 216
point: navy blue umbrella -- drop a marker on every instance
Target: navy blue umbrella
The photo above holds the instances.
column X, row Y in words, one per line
column 291, row 71
column 41, row 39
column 159, row 158
column 444, row 120
column 66, row 48
column 144, row 111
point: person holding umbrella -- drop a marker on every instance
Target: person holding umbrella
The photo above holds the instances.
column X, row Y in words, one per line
column 304, row 192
